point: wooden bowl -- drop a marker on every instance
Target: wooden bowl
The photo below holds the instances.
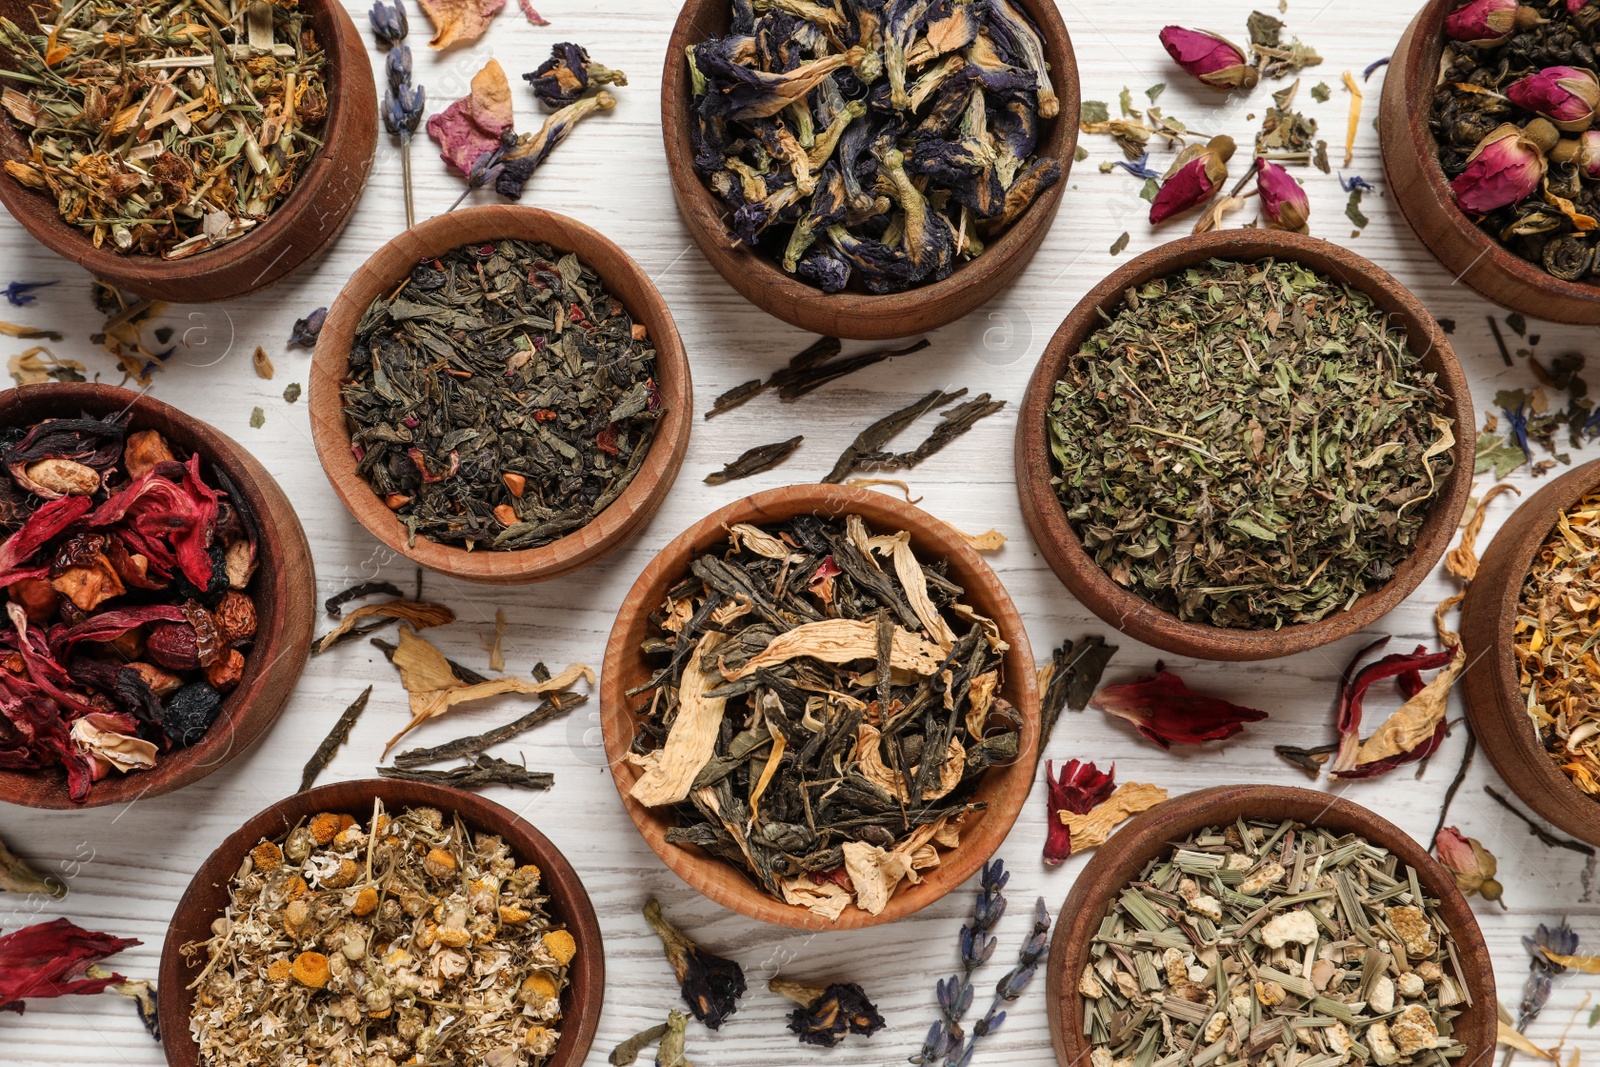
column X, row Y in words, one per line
column 297, row 232
column 850, row 313
column 1121, row 859
column 1127, row 610
column 284, row 591
column 626, row 280
column 1420, row 190
column 1004, row 789
column 1491, row 687
column 207, row 897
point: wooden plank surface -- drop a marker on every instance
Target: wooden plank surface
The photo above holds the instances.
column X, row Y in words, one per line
column 127, row 867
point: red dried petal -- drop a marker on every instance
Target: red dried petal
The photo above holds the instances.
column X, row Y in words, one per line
column 606, row 440
column 1353, row 686
column 42, row 526
column 1163, row 709
column 1389, row 763
column 1190, row 187
column 42, row 961
column 1455, row 852
column 168, row 523
column 1080, row 788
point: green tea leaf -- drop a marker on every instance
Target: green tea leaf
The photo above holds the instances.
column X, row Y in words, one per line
column 1120, row 243
column 1496, row 456
column 258, row 418
column 1155, row 91
column 1151, row 188
column 1095, row 111
column 1352, row 210
column 1321, row 93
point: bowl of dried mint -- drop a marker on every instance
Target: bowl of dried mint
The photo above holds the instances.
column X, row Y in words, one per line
column 501, row 395
column 1531, row 686
column 1245, row 444
column 1491, row 150
column 178, row 151
column 416, row 922
column 1261, row 924
column 158, row 594
column 820, row 708
column 863, row 171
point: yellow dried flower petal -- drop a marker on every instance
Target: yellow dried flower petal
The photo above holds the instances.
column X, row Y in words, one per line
column 562, row 946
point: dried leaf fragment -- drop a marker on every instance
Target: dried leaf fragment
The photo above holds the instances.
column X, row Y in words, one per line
column 455, row 21
column 418, row 614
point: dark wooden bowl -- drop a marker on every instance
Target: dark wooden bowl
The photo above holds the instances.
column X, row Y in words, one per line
column 284, row 591
column 1005, row 789
column 1121, row 859
column 207, row 897
column 1419, row 188
column 382, row 274
column 849, row 313
column 1127, row 610
column 296, row 233
column 1491, row 686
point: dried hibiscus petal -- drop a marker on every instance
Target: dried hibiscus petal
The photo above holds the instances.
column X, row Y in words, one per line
column 1353, row 686
column 1079, row 789
column 1163, row 709
column 48, row 960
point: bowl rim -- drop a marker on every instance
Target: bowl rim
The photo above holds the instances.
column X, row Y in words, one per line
column 623, row 517
column 1005, row 788
column 1491, row 687
column 1128, row 611
column 783, row 293
column 191, row 921
column 344, row 52
column 1153, row 832
column 285, row 595
column 1420, row 49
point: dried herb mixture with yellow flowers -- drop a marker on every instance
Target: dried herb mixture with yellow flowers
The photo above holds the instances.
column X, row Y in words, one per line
column 412, row 939
column 168, row 127
column 1557, row 619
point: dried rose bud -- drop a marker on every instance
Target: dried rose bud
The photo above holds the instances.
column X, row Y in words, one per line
column 1471, row 865
column 1567, row 96
column 1486, row 23
column 1283, row 198
column 1583, row 150
column 1216, row 61
column 1195, row 177
column 1505, row 167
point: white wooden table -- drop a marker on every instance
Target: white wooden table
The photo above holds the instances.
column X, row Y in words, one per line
column 128, row 866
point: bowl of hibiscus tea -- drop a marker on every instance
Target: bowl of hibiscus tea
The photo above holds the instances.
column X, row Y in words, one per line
column 1492, row 150
column 158, row 597
column 869, row 172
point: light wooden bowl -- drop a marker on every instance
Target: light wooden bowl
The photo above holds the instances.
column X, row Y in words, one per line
column 284, row 591
column 1411, row 166
column 1004, row 789
column 1492, row 688
column 851, row 313
column 381, row 274
column 207, row 897
column 1120, row 860
column 300, row 229
column 1127, row 610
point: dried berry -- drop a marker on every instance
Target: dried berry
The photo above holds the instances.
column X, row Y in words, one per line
column 225, row 673
column 236, row 615
column 190, row 713
column 174, row 646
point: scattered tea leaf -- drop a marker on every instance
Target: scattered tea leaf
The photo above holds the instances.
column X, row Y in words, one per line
column 334, row 741
column 258, row 418
column 755, row 461
column 1120, row 243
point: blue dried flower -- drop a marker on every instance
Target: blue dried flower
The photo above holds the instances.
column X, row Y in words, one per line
column 1354, row 182
column 402, row 111
column 389, row 23
column 398, row 67
column 1141, row 169
column 1559, row 940
column 304, row 334
column 20, row 294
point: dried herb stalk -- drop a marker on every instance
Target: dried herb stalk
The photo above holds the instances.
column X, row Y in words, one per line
column 554, row 707
column 334, row 741
column 479, row 772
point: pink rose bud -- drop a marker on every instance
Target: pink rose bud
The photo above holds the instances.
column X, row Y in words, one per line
column 1503, row 169
column 1583, row 150
column 1567, row 96
column 1575, row 6
column 1195, row 177
column 1283, row 199
column 1489, row 22
column 1219, row 63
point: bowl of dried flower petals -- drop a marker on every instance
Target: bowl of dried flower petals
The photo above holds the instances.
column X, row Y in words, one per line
column 159, row 597
column 425, row 923
column 1531, row 686
column 790, row 634
column 1240, row 920
column 180, row 153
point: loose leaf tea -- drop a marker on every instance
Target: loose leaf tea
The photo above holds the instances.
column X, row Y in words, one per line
column 166, row 127
column 407, row 924
column 478, row 772
column 868, row 450
column 755, row 461
column 1249, row 445
column 873, row 146
column 500, row 398
column 17, row 875
column 1265, row 939
column 1557, row 618
column 334, row 741
column 822, row 711
column 126, row 566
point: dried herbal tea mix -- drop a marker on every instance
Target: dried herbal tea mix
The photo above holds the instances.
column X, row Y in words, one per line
column 822, row 710
column 126, row 566
column 169, row 126
column 1249, row 445
column 1557, row 619
column 1267, row 942
column 1511, row 116
column 500, row 398
column 873, row 145
column 408, row 940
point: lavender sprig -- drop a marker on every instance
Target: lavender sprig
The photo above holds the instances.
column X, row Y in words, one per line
column 1011, row 984
column 955, row 993
column 403, row 102
column 1561, row 940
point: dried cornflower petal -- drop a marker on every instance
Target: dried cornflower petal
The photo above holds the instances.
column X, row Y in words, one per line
column 711, row 984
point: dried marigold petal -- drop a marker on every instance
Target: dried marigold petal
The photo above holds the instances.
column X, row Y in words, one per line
column 561, row 945
column 267, row 856
column 311, row 970
column 323, row 827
